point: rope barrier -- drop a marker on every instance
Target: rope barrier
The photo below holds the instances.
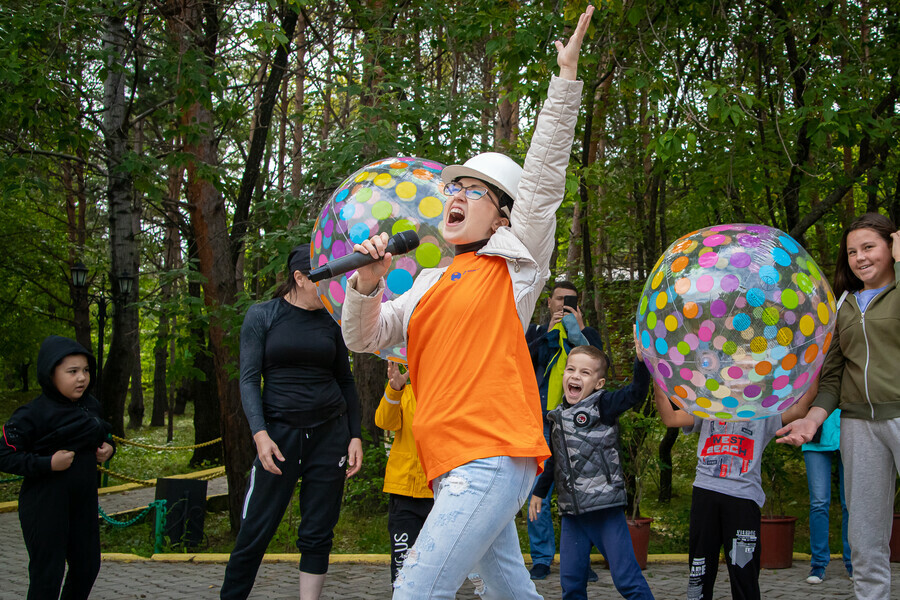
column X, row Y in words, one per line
column 144, row 482
column 11, row 479
column 173, row 448
column 217, row 473
column 158, row 504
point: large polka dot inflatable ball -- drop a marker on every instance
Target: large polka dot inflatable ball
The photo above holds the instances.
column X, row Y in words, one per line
column 390, row 195
column 735, row 321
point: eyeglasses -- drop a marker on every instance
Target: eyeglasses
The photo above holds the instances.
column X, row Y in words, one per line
column 472, row 192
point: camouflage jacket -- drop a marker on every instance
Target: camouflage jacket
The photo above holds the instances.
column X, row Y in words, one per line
column 584, row 439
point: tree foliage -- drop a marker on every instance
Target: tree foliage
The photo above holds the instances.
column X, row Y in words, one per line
column 236, row 121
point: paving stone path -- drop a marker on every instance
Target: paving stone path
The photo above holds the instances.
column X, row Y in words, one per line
column 156, row 580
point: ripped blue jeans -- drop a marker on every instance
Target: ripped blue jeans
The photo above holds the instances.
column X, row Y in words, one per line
column 471, row 531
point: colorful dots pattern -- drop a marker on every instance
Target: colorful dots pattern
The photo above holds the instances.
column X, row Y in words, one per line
column 390, row 195
column 735, row 320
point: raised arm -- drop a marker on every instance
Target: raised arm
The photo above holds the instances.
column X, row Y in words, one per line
column 542, row 187
column 567, row 55
column 670, row 417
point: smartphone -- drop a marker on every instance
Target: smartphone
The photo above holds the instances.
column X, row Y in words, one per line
column 571, row 302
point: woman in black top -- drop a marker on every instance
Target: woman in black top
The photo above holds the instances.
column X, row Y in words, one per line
column 305, row 422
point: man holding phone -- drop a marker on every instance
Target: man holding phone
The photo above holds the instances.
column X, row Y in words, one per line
column 549, row 347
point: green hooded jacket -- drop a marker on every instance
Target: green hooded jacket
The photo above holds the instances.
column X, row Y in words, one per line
column 860, row 372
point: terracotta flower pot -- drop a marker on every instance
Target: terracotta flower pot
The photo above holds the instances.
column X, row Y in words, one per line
column 776, row 538
column 640, row 538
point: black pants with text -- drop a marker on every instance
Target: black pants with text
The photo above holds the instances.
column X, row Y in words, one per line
column 58, row 514
column 406, row 515
column 317, row 458
column 719, row 520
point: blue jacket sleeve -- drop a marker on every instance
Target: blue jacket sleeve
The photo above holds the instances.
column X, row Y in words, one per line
column 615, row 403
column 534, row 337
column 593, row 337
column 344, row 377
column 253, row 347
column 545, row 480
column 16, row 455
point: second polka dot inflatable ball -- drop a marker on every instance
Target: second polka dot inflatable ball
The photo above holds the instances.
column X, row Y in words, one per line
column 389, row 195
column 735, row 321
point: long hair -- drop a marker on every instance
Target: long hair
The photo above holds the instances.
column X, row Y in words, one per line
column 844, row 279
column 286, row 286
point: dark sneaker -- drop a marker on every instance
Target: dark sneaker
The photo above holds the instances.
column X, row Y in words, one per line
column 540, row 571
column 592, row 575
column 816, row 575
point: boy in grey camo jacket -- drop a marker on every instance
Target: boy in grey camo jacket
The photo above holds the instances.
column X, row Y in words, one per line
column 587, row 468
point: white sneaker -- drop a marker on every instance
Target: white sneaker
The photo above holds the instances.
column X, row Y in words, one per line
column 817, row 575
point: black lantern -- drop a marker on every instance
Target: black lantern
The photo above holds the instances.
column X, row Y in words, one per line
column 126, row 284
column 79, row 275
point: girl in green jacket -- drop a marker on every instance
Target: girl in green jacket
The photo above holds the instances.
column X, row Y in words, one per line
column 859, row 377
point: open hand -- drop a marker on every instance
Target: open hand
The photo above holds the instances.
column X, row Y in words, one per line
column 567, row 55
column 354, row 457
column 397, row 379
column 534, row 507
column 267, row 451
column 797, row 432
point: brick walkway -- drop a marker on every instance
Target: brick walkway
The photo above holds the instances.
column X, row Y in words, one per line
column 157, row 580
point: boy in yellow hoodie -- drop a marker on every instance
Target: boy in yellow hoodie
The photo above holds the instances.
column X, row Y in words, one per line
column 411, row 498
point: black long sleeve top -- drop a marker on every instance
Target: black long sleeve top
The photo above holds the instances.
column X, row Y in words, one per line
column 295, row 368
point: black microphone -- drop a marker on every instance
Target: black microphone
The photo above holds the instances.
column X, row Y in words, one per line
column 400, row 243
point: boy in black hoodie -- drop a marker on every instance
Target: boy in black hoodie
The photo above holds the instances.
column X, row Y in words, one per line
column 55, row 442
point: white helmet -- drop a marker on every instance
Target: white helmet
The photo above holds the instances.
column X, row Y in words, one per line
column 492, row 167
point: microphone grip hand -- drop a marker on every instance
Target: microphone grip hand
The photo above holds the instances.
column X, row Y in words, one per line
column 368, row 276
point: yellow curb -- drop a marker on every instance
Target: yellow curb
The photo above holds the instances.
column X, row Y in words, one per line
column 121, row 557
column 11, row 506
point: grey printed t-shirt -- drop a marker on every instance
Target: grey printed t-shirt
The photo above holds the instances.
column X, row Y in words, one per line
column 729, row 453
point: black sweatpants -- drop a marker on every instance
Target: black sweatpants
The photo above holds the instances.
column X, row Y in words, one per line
column 406, row 515
column 58, row 514
column 719, row 520
column 316, row 457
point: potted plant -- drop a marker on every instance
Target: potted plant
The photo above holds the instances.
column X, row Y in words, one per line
column 778, row 528
column 635, row 431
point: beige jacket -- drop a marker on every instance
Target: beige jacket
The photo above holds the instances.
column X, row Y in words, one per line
column 369, row 325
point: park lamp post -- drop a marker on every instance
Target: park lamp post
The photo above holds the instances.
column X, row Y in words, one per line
column 79, row 281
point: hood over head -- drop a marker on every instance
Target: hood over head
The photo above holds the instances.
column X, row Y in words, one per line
column 53, row 350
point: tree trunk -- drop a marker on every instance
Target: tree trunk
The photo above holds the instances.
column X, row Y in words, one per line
column 119, row 364
column 136, row 406
column 195, row 24
column 160, row 358
column 297, row 152
column 23, row 375
column 370, row 374
column 72, row 175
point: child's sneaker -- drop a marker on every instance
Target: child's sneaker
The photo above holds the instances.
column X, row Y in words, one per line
column 816, row 575
column 540, row 571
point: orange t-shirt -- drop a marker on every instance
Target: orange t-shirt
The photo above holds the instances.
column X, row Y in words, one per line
column 471, row 370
